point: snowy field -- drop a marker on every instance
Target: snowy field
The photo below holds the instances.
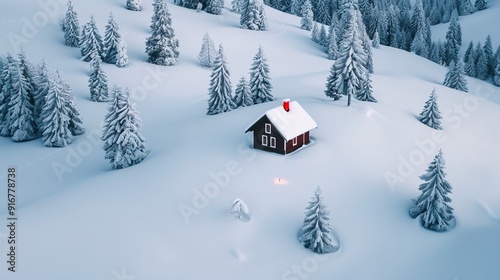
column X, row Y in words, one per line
column 78, row 219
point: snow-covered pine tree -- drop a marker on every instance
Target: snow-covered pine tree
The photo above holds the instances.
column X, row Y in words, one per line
column 496, row 57
column 112, row 37
column 469, row 52
column 297, row 6
column 367, row 46
column 452, row 45
column 307, row 20
column 207, row 52
column 376, row 41
column 236, row 6
column 161, row 46
column 488, row 55
column 315, row 33
column 434, row 53
column 215, row 7
column 262, row 16
column 481, row 5
column 98, row 81
column 22, row 107
column 199, row 7
column 90, row 40
column 430, row 115
column 316, row 232
column 220, row 99
column 8, row 70
column 323, row 36
column 260, row 81
column 134, row 5
column 55, row 116
column 455, row 77
column 243, row 94
column 332, row 49
column 432, row 204
column 124, row 145
column 121, row 54
column 496, row 75
column 71, row 26
column 466, row 8
column 253, row 16
column 481, row 65
column 417, row 18
column 348, row 72
column 366, row 92
column 42, row 80
column 75, row 121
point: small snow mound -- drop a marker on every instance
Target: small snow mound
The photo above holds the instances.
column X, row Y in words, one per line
column 239, row 255
column 240, row 210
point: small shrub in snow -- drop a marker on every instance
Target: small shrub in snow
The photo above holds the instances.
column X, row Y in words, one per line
column 239, row 210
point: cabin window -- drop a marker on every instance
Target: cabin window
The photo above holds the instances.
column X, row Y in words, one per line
column 264, row 140
column 294, row 141
column 273, row 142
column 268, row 128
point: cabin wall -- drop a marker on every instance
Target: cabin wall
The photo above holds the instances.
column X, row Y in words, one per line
column 291, row 148
column 259, row 131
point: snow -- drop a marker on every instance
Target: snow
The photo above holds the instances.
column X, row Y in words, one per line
column 292, row 123
column 91, row 222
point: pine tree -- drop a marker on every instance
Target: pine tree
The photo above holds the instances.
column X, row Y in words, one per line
column 316, row 232
column 8, row 71
column 134, row 5
column 323, row 37
column 297, row 7
column 207, row 52
column 75, row 121
column 236, row 6
column 215, row 7
column 417, row 18
column 121, row 54
column 367, row 46
column 376, row 41
column 260, row 82
column 315, row 33
column 468, row 53
column 112, row 38
column 455, row 77
column 432, row 205
column 366, row 92
column 430, row 115
column 452, row 42
column 332, row 45
column 466, row 8
column 43, row 81
column 220, row 99
column 161, row 46
column 481, row 4
column 307, row 20
column 243, row 94
column 488, row 55
column 22, row 108
column 348, row 72
column 71, row 26
column 419, row 46
column 496, row 76
column 90, row 40
column 481, row 65
column 124, row 145
column 253, row 16
column 434, row 52
column 496, row 57
column 55, row 116
column 98, row 81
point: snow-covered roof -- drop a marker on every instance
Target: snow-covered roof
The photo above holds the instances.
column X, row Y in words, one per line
column 292, row 123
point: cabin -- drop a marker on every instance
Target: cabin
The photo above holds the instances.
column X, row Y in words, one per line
column 283, row 129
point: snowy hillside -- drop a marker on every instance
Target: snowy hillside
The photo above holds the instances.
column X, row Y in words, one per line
column 86, row 221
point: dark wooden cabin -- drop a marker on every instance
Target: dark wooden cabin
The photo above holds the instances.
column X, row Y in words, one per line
column 283, row 129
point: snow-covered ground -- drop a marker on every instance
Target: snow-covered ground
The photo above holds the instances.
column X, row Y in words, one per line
column 86, row 221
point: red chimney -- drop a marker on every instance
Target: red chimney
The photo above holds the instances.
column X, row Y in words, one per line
column 286, row 104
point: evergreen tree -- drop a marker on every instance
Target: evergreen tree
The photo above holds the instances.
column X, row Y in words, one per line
column 121, row 54
column 207, row 52
column 496, row 76
column 323, row 37
column 220, row 100
column 236, row 6
column 98, row 81
column 42, row 80
column 434, row 52
column 452, row 42
column 376, row 41
column 316, row 232
column 215, row 7
column 315, row 33
column 468, row 53
column 112, row 38
column 481, row 4
column 481, row 65
column 243, row 94
column 55, row 116
column 161, row 46
column 134, row 5
column 90, row 40
column 75, row 121
column 124, row 145
column 430, row 115
column 466, row 8
column 333, row 45
column 488, row 55
column 419, row 45
column 367, row 46
column 253, row 16
column 417, row 18
column 22, row 108
column 71, row 26
column 496, row 57
column 432, row 205
column 297, row 7
column 8, row 71
column 455, row 77
column 307, row 20
column 348, row 72
column 366, row 92
column 260, row 82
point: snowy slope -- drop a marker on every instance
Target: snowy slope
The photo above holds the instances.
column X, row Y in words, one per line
column 95, row 223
